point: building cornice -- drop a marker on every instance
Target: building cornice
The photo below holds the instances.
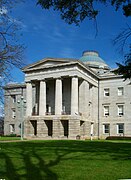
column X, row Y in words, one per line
column 63, row 60
column 64, row 63
column 12, row 86
column 111, row 77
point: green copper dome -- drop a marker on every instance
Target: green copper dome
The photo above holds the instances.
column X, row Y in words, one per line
column 91, row 58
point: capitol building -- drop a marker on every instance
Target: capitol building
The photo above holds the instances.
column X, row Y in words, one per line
column 65, row 98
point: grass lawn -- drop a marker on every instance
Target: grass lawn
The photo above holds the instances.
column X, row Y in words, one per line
column 65, row 160
column 4, row 138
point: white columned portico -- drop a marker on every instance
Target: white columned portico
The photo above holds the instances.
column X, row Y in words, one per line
column 42, row 98
column 28, row 99
column 58, row 97
column 74, row 96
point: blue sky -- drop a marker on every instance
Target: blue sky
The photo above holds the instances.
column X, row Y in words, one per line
column 46, row 35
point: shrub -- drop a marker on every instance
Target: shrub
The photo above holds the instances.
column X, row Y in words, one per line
column 78, row 137
column 11, row 135
column 118, row 138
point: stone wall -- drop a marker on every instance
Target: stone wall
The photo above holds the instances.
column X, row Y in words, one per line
column 113, row 100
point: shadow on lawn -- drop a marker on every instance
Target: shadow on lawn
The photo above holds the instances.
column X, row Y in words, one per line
column 39, row 170
column 33, row 156
column 10, row 169
column 43, row 169
column 35, row 167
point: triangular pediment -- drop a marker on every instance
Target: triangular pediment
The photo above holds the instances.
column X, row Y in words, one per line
column 47, row 62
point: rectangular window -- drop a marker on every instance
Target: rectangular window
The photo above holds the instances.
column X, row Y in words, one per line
column 120, row 91
column 13, row 113
column 13, row 98
column 120, row 110
column 106, row 128
column 12, row 128
column 106, row 110
column 120, row 128
column 106, row 92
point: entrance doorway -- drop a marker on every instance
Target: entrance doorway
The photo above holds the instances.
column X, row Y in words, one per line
column 49, row 125
column 65, row 124
column 34, row 125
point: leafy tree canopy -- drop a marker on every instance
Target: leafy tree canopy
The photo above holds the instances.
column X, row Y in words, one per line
column 75, row 11
column 125, row 69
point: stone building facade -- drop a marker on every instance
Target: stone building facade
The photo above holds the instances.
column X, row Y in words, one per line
column 67, row 99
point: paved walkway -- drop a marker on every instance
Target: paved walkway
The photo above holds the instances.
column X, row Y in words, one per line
column 13, row 141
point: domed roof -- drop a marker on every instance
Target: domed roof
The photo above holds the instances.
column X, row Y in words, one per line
column 91, row 58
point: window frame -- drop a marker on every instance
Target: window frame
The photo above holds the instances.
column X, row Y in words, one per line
column 13, row 113
column 13, row 98
column 120, row 129
column 12, row 128
column 106, row 113
column 120, row 91
column 120, row 111
column 106, row 92
column 106, row 129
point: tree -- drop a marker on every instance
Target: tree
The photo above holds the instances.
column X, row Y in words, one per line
column 11, row 52
column 75, row 11
column 125, row 69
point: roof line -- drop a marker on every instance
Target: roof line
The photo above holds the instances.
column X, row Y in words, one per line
column 46, row 59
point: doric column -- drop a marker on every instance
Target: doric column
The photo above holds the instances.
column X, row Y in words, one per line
column 84, row 98
column 28, row 99
column 37, row 95
column 74, row 96
column 42, row 98
column 58, row 97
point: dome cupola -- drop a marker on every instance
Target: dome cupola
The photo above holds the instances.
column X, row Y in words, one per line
column 92, row 59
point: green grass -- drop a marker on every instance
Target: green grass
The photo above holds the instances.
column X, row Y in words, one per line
column 4, row 138
column 65, row 160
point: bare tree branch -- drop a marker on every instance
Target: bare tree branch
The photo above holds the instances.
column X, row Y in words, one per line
column 11, row 52
column 122, row 38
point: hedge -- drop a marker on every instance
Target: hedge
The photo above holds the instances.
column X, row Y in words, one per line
column 118, row 138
